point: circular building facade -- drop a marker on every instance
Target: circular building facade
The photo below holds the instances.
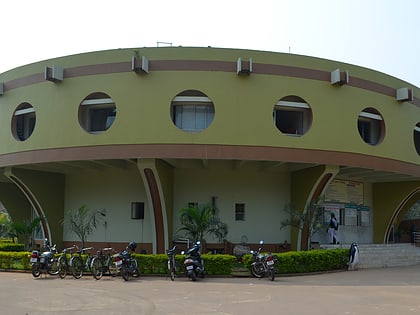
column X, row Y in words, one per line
column 142, row 133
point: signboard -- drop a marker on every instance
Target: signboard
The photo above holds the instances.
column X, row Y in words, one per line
column 345, row 191
column 365, row 216
column 350, row 215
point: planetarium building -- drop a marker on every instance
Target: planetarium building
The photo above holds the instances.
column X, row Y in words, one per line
column 144, row 132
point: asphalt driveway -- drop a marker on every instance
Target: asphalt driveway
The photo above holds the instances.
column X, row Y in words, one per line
column 369, row 291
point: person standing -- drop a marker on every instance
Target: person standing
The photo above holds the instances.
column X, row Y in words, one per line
column 332, row 230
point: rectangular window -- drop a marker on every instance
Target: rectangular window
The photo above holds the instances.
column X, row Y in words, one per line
column 240, row 212
column 193, row 205
column 193, row 117
column 101, row 118
column 25, row 125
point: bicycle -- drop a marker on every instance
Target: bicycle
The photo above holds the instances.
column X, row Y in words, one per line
column 102, row 263
column 63, row 263
column 171, row 262
column 78, row 264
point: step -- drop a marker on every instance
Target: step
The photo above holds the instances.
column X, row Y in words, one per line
column 384, row 255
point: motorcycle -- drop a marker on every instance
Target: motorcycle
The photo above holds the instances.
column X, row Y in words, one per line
column 125, row 264
column 263, row 264
column 44, row 262
column 194, row 264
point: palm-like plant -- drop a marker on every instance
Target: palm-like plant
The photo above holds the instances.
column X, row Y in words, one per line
column 311, row 218
column 198, row 222
column 83, row 222
column 25, row 230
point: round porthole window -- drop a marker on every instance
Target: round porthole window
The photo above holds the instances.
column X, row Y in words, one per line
column 371, row 126
column 416, row 137
column 292, row 115
column 192, row 111
column 23, row 121
column 97, row 113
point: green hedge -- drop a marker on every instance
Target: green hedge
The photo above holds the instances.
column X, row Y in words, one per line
column 15, row 260
column 288, row 262
column 158, row 264
column 11, row 247
column 308, row 261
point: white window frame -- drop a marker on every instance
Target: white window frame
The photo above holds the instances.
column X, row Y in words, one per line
column 97, row 104
column 192, row 113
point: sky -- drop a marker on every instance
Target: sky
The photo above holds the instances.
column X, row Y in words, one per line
column 382, row 35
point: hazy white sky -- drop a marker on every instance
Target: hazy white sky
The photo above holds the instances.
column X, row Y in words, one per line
column 379, row 34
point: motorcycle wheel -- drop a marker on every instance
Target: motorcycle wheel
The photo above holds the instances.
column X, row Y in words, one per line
column 54, row 268
column 125, row 273
column 272, row 274
column 255, row 272
column 35, row 270
column 62, row 268
column 77, row 267
column 135, row 271
column 193, row 276
column 96, row 268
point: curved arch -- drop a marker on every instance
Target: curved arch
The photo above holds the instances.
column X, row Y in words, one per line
column 397, row 212
column 157, row 210
column 33, row 201
column 319, row 187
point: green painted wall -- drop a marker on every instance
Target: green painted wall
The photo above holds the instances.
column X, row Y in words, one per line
column 48, row 189
column 15, row 202
column 302, row 183
column 387, row 199
column 143, row 104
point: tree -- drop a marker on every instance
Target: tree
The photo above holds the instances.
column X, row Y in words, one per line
column 311, row 218
column 198, row 222
column 25, row 231
column 83, row 222
column 5, row 225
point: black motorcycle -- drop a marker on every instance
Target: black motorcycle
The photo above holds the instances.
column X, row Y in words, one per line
column 127, row 265
column 44, row 262
column 194, row 264
column 263, row 264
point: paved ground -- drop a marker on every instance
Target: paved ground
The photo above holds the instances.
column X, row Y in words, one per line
column 386, row 291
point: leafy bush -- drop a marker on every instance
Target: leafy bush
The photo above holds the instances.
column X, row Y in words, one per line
column 218, row 264
column 158, row 264
column 308, row 261
column 11, row 247
column 15, row 260
column 288, row 262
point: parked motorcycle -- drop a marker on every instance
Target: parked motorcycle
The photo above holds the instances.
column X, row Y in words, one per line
column 194, row 264
column 263, row 264
column 44, row 262
column 127, row 265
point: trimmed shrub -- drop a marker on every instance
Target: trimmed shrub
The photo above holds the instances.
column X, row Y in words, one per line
column 308, row 261
column 158, row 264
column 288, row 262
column 11, row 247
column 15, row 260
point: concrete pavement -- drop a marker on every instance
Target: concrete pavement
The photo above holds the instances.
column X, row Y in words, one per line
column 368, row 291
